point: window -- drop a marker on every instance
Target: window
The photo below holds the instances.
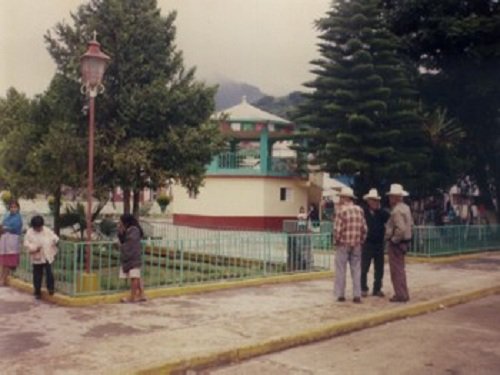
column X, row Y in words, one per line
column 248, row 126
column 285, row 194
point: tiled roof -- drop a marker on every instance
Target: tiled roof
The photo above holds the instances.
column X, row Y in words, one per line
column 246, row 112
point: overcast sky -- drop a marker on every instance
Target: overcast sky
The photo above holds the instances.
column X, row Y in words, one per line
column 267, row 43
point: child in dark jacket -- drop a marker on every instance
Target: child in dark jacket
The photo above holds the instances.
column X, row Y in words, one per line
column 130, row 234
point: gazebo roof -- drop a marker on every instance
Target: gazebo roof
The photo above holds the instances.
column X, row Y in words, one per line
column 245, row 112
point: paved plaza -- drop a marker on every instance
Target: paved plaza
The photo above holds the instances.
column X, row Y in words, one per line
column 461, row 340
column 42, row 338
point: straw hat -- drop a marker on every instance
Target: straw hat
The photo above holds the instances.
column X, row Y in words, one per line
column 346, row 192
column 372, row 194
column 397, row 189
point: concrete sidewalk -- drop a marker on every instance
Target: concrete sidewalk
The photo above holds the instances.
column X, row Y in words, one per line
column 213, row 328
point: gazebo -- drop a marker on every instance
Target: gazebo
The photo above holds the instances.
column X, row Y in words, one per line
column 256, row 183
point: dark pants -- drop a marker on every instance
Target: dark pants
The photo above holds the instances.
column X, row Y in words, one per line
column 373, row 251
column 38, row 276
column 398, row 272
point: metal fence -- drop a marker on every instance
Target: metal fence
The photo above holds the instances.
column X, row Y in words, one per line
column 176, row 256
column 185, row 261
column 432, row 241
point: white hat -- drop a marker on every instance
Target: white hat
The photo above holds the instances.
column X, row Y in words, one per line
column 372, row 194
column 346, row 192
column 397, row 189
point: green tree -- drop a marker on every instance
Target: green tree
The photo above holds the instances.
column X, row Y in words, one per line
column 149, row 94
column 17, row 136
column 456, row 45
column 363, row 105
column 445, row 138
column 39, row 136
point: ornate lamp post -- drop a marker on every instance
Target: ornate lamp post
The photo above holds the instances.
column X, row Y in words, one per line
column 93, row 64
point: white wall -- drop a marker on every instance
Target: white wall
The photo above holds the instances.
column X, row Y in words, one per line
column 239, row 196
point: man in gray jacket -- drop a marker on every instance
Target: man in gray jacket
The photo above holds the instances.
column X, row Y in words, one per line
column 398, row 233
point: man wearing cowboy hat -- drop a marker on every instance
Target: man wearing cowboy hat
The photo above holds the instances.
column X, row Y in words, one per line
column 350, row 234
column 398, row 233
column 374, row 246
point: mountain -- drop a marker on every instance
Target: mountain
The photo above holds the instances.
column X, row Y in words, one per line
column 230, row 93
column 282, row 106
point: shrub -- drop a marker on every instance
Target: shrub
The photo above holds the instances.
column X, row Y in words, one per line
column 50, row 202
column 108, row 227
column 6, row 198
column 163, row 201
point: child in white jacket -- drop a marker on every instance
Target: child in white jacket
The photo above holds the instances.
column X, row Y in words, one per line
column 41, row 243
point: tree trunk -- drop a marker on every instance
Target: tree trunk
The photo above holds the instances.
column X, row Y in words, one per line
column 57, row 210
column 126, row 201
column 136, row 202
column 482, row 183
column 496, row 178
column 496, row 181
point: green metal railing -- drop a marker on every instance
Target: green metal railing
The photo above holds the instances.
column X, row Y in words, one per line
column 321, row 230
column 175, row 256
column 168, row 263
column 243, row 163
column 232, row 160
column 432, row 241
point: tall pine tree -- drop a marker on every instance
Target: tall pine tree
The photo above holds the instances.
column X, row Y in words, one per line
column 363, row 106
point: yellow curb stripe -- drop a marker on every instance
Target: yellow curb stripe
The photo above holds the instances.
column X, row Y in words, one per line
column 317, row 334
column 175, row 291
column 449, row 259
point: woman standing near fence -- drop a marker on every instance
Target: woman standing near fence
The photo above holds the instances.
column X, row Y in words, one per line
column 41, row 243
column 12, row 226
column 130, row 234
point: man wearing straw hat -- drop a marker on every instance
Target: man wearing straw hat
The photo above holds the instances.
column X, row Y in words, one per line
column 374, row 246
column 350, row 234
column 398, row 232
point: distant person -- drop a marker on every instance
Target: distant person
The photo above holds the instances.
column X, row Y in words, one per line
column 350, row 234
column 398, row 233
column 130, row 235
column 302, row 214
column 313, row 214
column 10, row 242
column 328, row 208
column 41, row 243
column 474, row 212
column 373, row 248
column 302, row 219
column 482, row 213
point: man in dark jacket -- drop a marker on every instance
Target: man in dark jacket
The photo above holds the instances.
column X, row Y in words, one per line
column 374, row 246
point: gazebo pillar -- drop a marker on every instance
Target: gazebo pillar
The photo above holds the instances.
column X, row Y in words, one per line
column 214, row 165
column 264, row 150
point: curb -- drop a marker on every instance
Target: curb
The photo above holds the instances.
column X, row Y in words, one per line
column 196, row 363
column 68, row 301
column 82, row 301
column 449, row 259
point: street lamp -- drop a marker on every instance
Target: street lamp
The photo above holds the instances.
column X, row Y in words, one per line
column 93, row 64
